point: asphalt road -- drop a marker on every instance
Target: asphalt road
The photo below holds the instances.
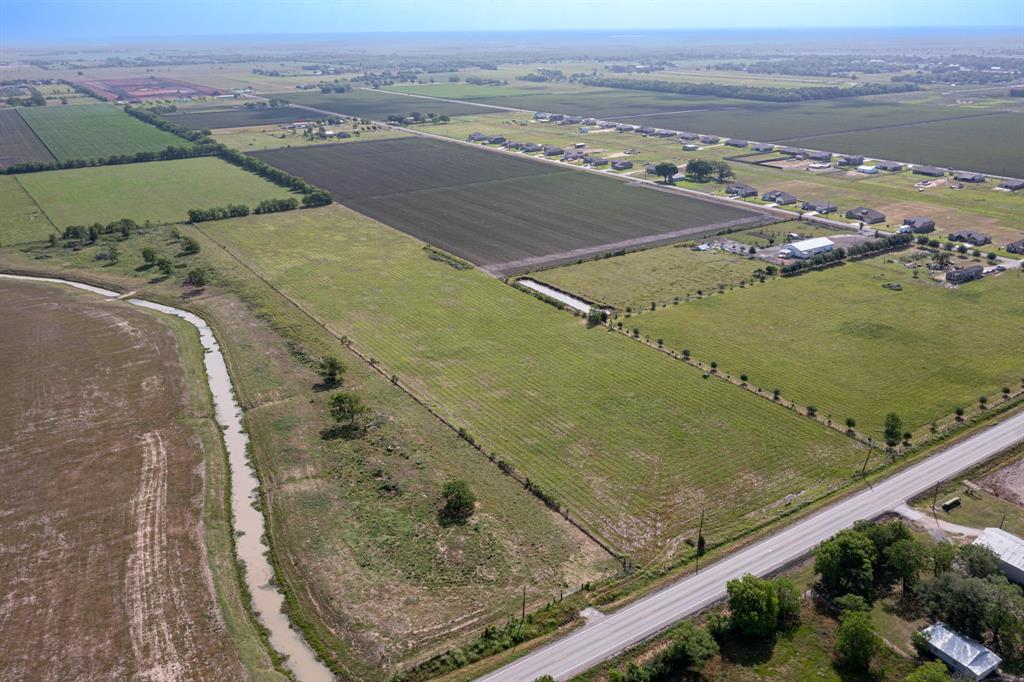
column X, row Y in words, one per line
column 606, row 637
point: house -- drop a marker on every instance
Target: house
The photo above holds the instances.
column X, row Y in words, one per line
column 806, row 248
column 819, row 156
column 795, row 152
column 595, row 161
column 541, row 116
column 621, row 165
column 476, row 137
column 572, row 120
column 851, row 160
column 867, row 170
column 762, row 147
column 531, row 147
column 976, row 238
column 1012, row 185
column 965, row 656
column 964, row 274
column 665, row 133
column 625, row 128
column 589, row 121
column 779, row 197
column 646, row 130
column 583, row 131
column 555, row 118
column 919, row 224
column 822, row 207
column 965, row 176
column 1016, row 247
column 689, row 136
column 890, row 166
column 738, row 189
column 1010, row 550
column 551, row 150
column 650, row 169
column 710, row 139
column 690, row 147
column 866, row 215
column 930, row 171
column 736, row 143
column 497, row 139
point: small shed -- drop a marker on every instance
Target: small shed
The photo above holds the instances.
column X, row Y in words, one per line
column 965, row 656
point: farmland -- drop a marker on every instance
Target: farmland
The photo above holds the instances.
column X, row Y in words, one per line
column 21, row 220
column 258, row 138
column 161, row 191
column 654, row 275
column 238, row 117
column 18, row 144
column 104, row 437
column 91, row 131
column 378, row 105
column 496, row 210
column 837, row 340
column 628, row 441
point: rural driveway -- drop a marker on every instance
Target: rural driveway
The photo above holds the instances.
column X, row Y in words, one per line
column 601, row 640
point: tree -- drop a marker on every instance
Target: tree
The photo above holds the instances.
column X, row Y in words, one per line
column 197, row 277
column 962, row 602
column 942, row 555
column 904, row 560
column 721, row 170
column 164, row 265
column 789, row 602
column 754, row 605
column 459, row 502
column 699, row 170
column 893, row 428
column 692, row 646
column 977, row 561
column 932, row 671
column 851, row 602
column 148, row 255
column 856, row 641
column 666, row 170
column 846, row 564
column 330, row 368
column 189, row 245
column 346, row 408
column 850, row 423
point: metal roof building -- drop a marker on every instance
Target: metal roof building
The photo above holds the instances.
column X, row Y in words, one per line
column 964, row 655
column 1010, row 550
column 807, row 247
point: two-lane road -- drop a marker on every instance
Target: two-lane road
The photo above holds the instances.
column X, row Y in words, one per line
column 606, row 638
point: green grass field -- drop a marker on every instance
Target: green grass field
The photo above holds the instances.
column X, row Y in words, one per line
column 91, row 131
column 161, row 191
column 20, row 218
column 837, row 340
column 629, row 441
column 658, row 275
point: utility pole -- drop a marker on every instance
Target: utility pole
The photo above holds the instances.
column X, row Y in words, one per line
column 700, row 537
column 935, row 497
column 524, row 605
column 863, row 469
column 1002, row 521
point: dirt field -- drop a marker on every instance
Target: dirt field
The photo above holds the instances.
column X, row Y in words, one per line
column 105, row 575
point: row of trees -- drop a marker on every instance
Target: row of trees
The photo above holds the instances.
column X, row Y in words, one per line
column 753, row 92
column 202, row 215
column 838, row 254
column 696, row 170
column 168, row 154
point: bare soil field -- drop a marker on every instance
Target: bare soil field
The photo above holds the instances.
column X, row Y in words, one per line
column 105, row 575
column 18, row 142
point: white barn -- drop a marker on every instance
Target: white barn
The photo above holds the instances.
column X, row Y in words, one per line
column 806, row 248
column 1010, row 550
column 965, row 656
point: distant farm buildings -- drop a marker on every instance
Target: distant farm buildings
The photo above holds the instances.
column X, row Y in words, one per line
column 964, row 274
column 868, row 216
column 806, row 248
column 967, row 657
column 1010, row 550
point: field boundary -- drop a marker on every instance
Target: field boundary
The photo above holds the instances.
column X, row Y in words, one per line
column 36, row 203
column 41, row 140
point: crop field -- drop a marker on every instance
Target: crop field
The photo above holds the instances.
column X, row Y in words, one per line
column 238, row 117
column 837, row 340
column 500, row 211
column 629, row 441
column 91, row 131
column 101, row 471
column 161, row 191
column 377, row 105
column 657, row 275
column 18, row 144
column 20, row 218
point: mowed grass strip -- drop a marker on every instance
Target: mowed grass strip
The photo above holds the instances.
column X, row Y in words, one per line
column 18, row 144
column 658, row 275
column 161, row 191
column 91, row 131
column 493, row 208
column 839, row 341
column 631, row 442
column 20, row 218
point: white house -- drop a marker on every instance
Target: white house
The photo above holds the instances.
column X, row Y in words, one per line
column 806, row 248
column 965, row 656
column 867, row 170
column 1010, row 550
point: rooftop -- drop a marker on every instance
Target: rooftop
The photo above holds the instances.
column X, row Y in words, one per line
column 963, row 650
column 1007, row 546
column 811, row 244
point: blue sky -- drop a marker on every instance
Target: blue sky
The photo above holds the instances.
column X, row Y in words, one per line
column 47, row 21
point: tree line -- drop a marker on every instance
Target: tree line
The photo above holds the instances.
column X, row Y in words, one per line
column 838, row 254
column 752, row 92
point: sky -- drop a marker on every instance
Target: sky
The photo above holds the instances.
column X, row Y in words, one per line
column 49, row 21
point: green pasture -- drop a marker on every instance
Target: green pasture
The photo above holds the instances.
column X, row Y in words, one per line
column 20, row 218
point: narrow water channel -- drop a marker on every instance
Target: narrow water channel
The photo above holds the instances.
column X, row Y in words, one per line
column 249, row 528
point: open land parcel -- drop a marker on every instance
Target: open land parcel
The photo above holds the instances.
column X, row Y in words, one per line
column 18, row 142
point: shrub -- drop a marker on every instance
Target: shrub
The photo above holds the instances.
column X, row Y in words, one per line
column 459, row 502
